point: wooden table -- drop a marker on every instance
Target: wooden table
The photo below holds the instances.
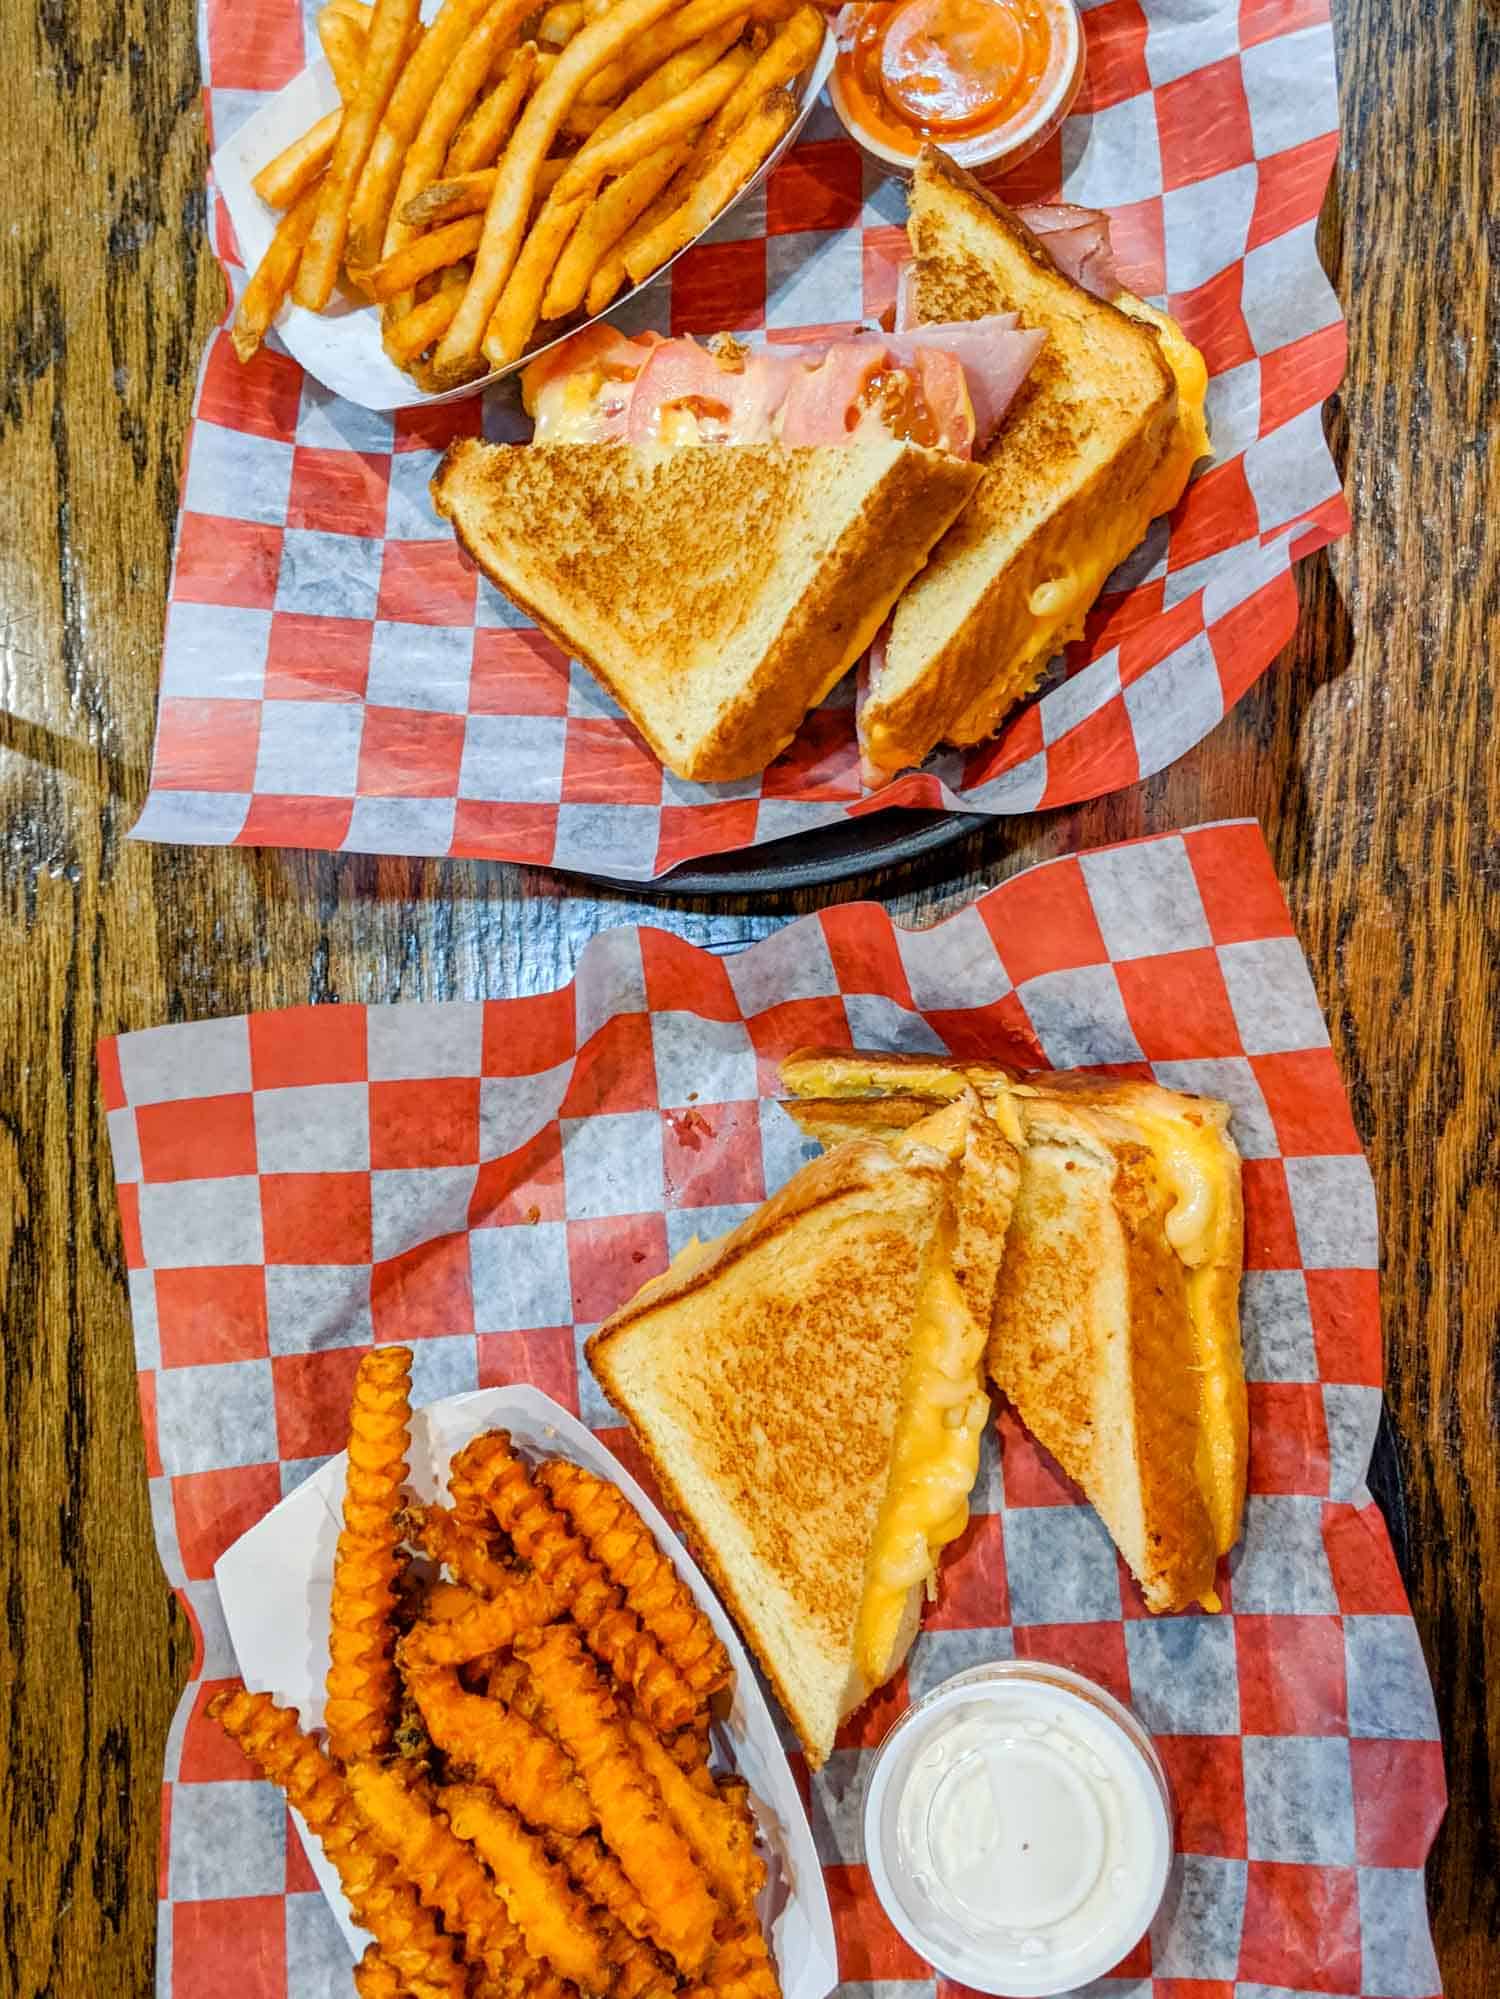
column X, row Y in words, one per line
column 1369, row 755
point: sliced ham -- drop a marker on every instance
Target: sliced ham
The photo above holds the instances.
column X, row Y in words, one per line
column 1077, row 240
column 996, row 356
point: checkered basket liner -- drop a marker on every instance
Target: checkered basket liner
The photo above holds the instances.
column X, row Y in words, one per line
column 335, row 674
column 488, row 1181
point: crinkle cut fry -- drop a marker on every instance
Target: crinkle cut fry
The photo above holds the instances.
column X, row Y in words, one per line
column 363, row 1695
column 631, row 1818
column 524, row 1767
column 735, row 1871
column 408, row 1938
column 558, row 1925
column 621, row 1542
column 601, row 1877
column 489, row 1469
column 375, row 1977
column 490, row 1624
column 461, row 1546
column 740, row 1967
column 443, row 1870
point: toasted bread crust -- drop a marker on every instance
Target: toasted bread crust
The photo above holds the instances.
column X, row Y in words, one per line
column 717, row 594
column 965, row 643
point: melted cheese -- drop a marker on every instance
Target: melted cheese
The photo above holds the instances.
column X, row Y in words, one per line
column 1190, row 371
column 933, row 1468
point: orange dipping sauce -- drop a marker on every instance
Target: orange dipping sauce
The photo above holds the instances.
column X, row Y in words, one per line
column 988, row 80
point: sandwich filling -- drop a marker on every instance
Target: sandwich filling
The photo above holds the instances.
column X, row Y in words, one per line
column 935, row 1459
column 944, row 387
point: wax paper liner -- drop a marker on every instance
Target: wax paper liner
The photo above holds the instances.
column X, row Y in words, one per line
column 336, row 675
column 276, row 1582
column 487, row 1181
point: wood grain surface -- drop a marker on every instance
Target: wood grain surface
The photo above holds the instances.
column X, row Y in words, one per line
column 1368, row 753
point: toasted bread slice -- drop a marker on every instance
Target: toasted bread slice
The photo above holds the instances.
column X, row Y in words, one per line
column 1089, row 453
column 717, row 594
column 788, row 1384
column 1173, row 1206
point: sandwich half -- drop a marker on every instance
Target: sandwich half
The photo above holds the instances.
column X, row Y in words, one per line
column 1115, row 1330
column 1098, row 441
column 718, row 595
column 808, row 1391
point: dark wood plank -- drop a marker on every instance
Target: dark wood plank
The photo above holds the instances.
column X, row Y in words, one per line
column 1368, row 754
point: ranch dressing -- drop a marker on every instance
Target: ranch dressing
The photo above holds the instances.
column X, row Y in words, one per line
column 1017, row 1829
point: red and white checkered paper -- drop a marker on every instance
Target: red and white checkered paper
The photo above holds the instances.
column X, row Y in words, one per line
column 336, row 675
column 488, row 1181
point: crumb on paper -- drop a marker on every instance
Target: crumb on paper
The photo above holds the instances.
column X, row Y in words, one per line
column 533, row 1214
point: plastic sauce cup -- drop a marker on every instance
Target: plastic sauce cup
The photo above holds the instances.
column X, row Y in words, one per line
column 1018, row 1828
column 987, row 80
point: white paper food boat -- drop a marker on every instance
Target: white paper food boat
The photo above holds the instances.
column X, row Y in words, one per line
column 341, row 346
column 276, row 1584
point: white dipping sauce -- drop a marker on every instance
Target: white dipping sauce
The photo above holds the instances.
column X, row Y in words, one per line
column 1017, row 1829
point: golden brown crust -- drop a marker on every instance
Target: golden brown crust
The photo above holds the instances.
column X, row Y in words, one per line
column 1077, row 457
column 681, row 578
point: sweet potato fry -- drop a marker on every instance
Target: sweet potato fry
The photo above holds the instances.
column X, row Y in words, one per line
column 463, row 1550
column 421, row 257
column 604, row 222
column 406, row 1935
column 344, row 43
column 740, row 159
column 478, row 140
column 487, row 1625
column 601, row 1877
column 740, row 1967
column 390, row 31
column 652, row 1852
column 403, row 114
column 444, row 1871
column 621, row 1542
column 557, row 1924
column 375, row 1977
column 491, row 1469
column 658, row 41
column 735, row 1873
column 510, row 204
column 362, row 1687
column 261, row 299
column 643, row 136
column 526, row 1769
column 298, row 165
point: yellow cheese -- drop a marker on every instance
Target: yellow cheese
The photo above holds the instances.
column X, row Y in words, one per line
column 934, row 1464
column 1191, row 372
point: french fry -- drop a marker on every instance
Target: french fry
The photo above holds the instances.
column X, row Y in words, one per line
column 262, row 297
column 390, row 29
column 422, row 256
column 736, row 1874
column 501, row 1748
column 543, row 1538
column 298, row 165
column 560, row 23
column 740, row 1967
column 601, row 1877
column 655, row 44
column 485, row 1625
column 375, row 1977
column 675, row 74
column 344, row 43
column 520, row 304
column 557, row 1924
column 721, row 181
column 442, row 1868
column 362, row 1686
column 788, row 53
column 651, row 1851
column 446, row 200
column 386, row 1906
column 404, row 111
column 621, row 1542
column 645, row 135
column 462, row 1548
column 510, row 204
column 358, row 11
column 604, row 223
column 487, row 127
